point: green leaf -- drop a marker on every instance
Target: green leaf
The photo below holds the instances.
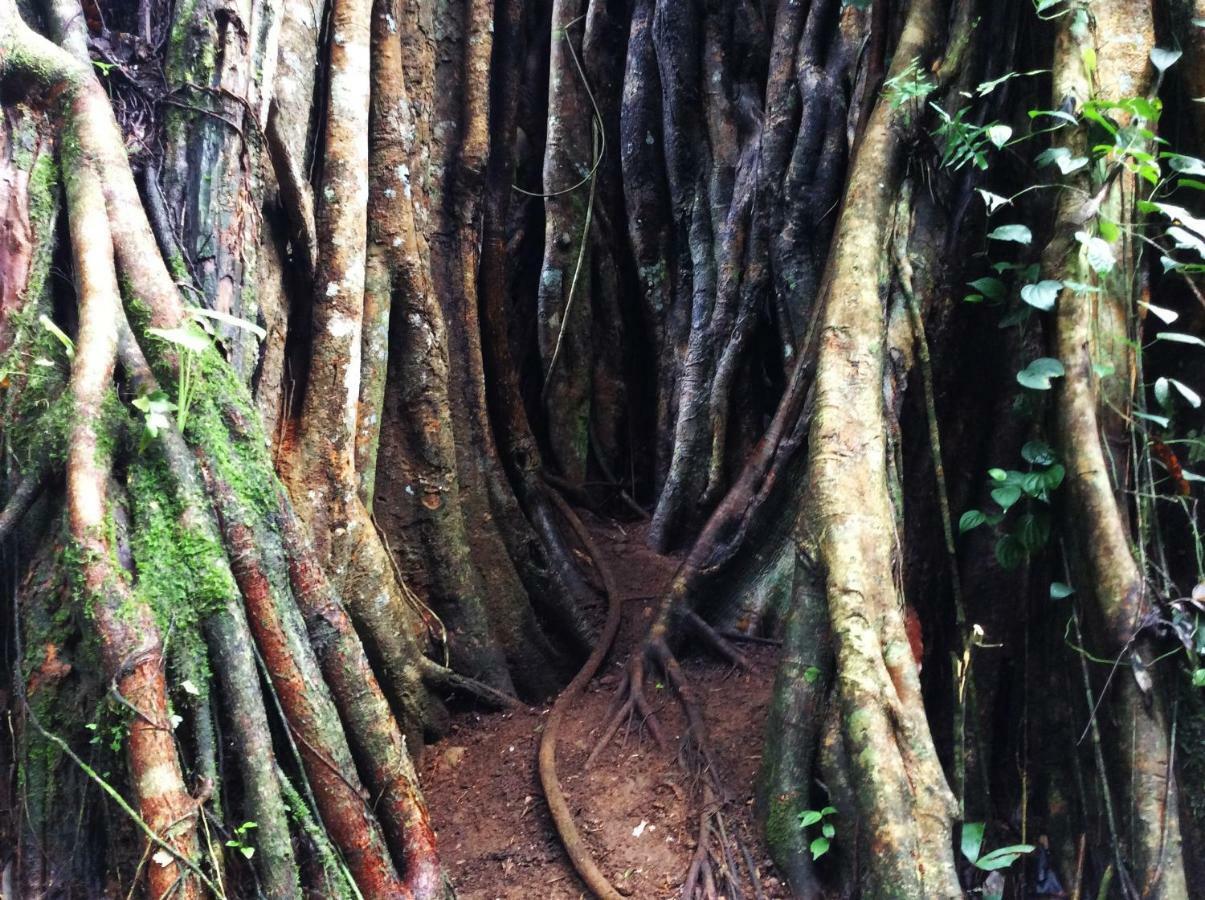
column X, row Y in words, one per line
column 987, row 87
column 989, row 287
column 999, row 134
column 1039, row 453
column 1166, row 316
column 1054, row 476
column 227, row 319
column 1180, row 338
column 971, row 839
column 970, row 519
column 829, row 811
column 1042, row 295
column 1016, row 233
column 997, row 474
column 1088, row 56
column 828, row 830
column 1163, row 392
column 157, row 401
column 1069, row 164
column 247, row 851
column 1059, row 590
column 810, row 674
column 993, row 201
column 809, row 817
column 1036, row 376
column 1033, row 531
column 1081, row 288
column 1161, row 421
column 819, row 847
column 1034, row 484
column 1198, row 678
column 155, row 408
column 68, row 344
column 1003, row 858
column 1193, row 398
column 1006, row 496
column 1164, row 59
column 1040, row 6
column 1100, row 254
column 1144, row 108
column 1010, row 553
column 1180, row 216
column 1108, row 229
column 1051, row 155
column 187, row 337
column 1186, row 240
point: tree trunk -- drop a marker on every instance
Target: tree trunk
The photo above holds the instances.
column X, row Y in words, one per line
column 315, row 320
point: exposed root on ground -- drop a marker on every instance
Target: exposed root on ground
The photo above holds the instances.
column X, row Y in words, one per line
column 558, row 807
column 714, row 870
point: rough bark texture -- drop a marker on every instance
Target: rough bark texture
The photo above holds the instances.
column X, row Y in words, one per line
column 349, row 299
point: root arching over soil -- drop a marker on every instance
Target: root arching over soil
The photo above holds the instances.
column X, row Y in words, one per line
column 316, row 318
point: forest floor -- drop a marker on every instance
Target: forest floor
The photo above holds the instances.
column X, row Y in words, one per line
column 636, row 806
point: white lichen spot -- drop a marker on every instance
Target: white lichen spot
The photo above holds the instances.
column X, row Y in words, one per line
column 390, row 193
column 341, row 326
column 397, row 242
column 390, row 23
column 332, row 289
column 158, row 780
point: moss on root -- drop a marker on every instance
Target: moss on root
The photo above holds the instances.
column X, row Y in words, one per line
column 182, row 572
column 35, row 412
column 56, row 667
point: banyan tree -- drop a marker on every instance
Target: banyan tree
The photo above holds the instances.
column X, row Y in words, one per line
column 883, row 319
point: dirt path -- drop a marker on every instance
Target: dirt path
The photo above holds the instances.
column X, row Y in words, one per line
column 636, row 805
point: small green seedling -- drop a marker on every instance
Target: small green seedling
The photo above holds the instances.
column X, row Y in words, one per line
column 810, row 817
column 239, row 841
column 191, row 339
column 1002, row 858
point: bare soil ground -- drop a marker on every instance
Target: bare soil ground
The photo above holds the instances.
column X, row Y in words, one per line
column 637, row 806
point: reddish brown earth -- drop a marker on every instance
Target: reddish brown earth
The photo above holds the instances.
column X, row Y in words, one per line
column 637, row 806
